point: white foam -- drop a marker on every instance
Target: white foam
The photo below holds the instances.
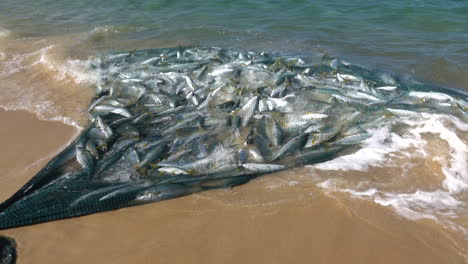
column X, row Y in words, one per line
column 456, row 170
column 20, row 61
column 416, row 205
column 443, row 204
column 4, row 32
column 77, row 70
column 43, row 115
column 293, row 183
column 99, row 31
column 37, row 102
column 373, row 152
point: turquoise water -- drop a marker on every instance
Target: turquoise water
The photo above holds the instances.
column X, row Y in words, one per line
column 428, row 39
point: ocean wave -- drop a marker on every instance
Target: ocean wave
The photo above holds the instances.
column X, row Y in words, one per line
column 99, row 32
column 22, row 61
column 4, row 32
column 374, row 151
column 443, row 202
column 43, row 112
column 76, row 70
column 32, row 80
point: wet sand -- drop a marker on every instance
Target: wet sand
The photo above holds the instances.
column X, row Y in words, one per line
column 26, row 145
column 265, row 221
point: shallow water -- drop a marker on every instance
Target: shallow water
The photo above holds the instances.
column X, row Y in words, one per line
column 45, row 48
column 423, row 38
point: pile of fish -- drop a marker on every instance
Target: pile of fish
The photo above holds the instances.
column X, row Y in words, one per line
column 170, row 122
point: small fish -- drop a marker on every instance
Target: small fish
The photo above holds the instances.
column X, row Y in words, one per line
column 105, row 129
column 347, row 77
column 165, row 191
column 315, row 155
column 273, row 131
column 387, row 88
column 91, row 147
column 432, row 95
column 248, row 110
column 263, row 168
column 336, row 63
column 352, row 139
column 291, row 146
column 153, row 154
column 243, row 156
column 263, row 106
column 123, row 190
column 95, row 133
column 172, row 171
column 131, row 80
column 84, row 158
column 107, row 109
column 127, row 130
column 132, row 156
column 278, row 92
column 255, row 155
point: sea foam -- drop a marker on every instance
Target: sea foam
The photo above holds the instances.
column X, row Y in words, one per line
column 444, row 204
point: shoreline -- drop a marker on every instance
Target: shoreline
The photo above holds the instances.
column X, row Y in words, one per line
column 247, row 224
column 27, row 145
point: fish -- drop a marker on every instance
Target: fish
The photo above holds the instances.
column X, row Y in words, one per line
column 248, row 110
column 291, row 146
column 263, row 168
column 107, row 109
column 92, row 148
column 352, row 139
column 172, row 171
column 318, row 154
column 272, row 131
column 347, row 77
column 105, row 129
column 153, row 154
column 175, row 121
column 132, row 156
column 84, row 158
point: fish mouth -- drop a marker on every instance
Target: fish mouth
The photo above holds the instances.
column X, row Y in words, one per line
column 170, row 122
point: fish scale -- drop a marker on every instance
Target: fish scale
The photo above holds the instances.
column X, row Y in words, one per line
column 171, row 122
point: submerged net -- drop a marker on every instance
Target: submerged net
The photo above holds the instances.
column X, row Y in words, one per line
column 171, row 122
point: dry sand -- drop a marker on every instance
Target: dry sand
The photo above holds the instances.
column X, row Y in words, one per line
column 255, row 223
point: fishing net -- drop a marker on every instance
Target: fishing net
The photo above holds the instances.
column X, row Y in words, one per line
column 171, row 122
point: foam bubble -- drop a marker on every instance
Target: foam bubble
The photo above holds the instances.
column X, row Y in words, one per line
column 440, row 206
column 443, row 203
column 4, row 32
column 456, row 169
column 22, row 61
column 373, row 152
column 99, row 32
column 78, row 70
column 43, row 115
column 43, row 64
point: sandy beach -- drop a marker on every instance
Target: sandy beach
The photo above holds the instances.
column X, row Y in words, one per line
column 263, row 221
